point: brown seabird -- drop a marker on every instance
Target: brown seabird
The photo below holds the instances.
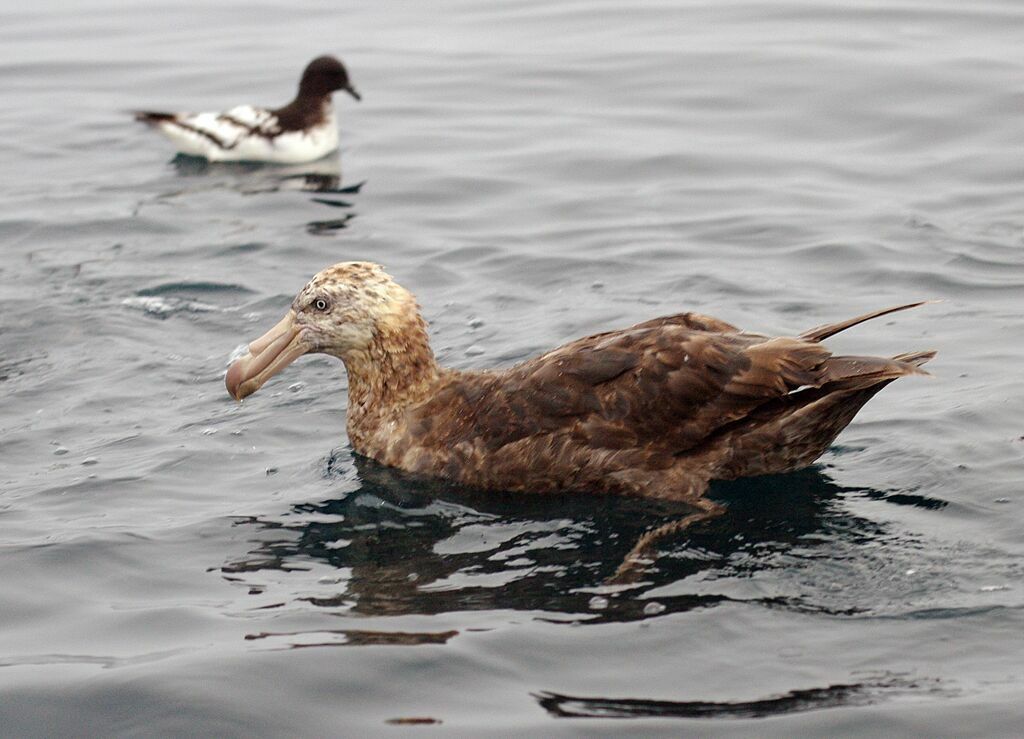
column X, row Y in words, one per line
column 658, row 409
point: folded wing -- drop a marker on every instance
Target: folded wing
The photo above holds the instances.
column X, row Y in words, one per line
column 671, row 383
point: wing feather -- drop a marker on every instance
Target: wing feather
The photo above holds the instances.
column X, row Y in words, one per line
column 663, row 383
column 669, row 384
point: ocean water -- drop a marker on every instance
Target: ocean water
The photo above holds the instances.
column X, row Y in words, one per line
column 172, row 562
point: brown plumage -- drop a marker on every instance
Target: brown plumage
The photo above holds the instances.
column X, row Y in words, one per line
column 658, row 409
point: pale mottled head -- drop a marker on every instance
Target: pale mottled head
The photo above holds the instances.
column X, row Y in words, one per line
column 346, row 310
column 345, row 306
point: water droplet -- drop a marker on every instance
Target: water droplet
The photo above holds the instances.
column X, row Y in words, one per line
column 297, row 386
column 598, row 603
column 89, row 461
column 993, row 588
column 475, row 350
column 60, row 451
column 654, row 608
column 911, row 572
column 210, row 431
column 475, row 323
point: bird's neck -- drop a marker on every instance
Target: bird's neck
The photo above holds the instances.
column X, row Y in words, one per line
column 397, row 370
column 305, row 111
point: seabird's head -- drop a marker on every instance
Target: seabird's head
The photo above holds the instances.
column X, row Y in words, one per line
column 325, row 75
column 343, row 311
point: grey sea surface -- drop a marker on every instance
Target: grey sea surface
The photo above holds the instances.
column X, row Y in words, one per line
column 172, row 562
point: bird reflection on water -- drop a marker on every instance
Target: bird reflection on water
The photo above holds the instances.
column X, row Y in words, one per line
column 322, row 177
column 866, row 692
column 415, row 546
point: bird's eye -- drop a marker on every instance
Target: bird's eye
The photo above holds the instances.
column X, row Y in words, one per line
column 320, row 304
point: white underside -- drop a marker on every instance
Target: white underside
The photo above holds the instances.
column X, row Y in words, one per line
column 241, row 144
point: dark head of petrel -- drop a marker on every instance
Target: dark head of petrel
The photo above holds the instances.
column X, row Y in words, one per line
column 325, row 75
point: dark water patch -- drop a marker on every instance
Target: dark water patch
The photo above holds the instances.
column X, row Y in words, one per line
column 271, row 304
column 190, row 298
column 708, row 284
column 748, row 230
column 945, row 284
column 844, row 255
column 414, row 546
column 13, row 368
column 332, row 203
column 246, row 248
column 413, row 721
column 102, row 230
column 330, row 226
column 468, row 255
column 942, row 614
column 104, row 661
column 14, row 230
column 549, row 271
column 795, row 701
column 1008, row 268
column 194, row 290
column 348, row 189
column 908, row 499
column 354, row 638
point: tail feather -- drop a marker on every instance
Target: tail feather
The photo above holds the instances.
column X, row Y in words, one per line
column 916, row 359
column 152, row 117
column 820, row 333
column 863, row 371
column 792, row 431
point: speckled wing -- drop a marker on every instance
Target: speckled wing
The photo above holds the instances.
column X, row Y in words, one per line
column 670, row 382
column 668, row 385
column 214, row 135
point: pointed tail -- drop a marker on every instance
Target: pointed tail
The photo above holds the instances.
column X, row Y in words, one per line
column 916, row 358
column 820, row 333
column 152, row 117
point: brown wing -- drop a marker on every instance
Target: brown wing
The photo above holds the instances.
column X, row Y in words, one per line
column 670, row 382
